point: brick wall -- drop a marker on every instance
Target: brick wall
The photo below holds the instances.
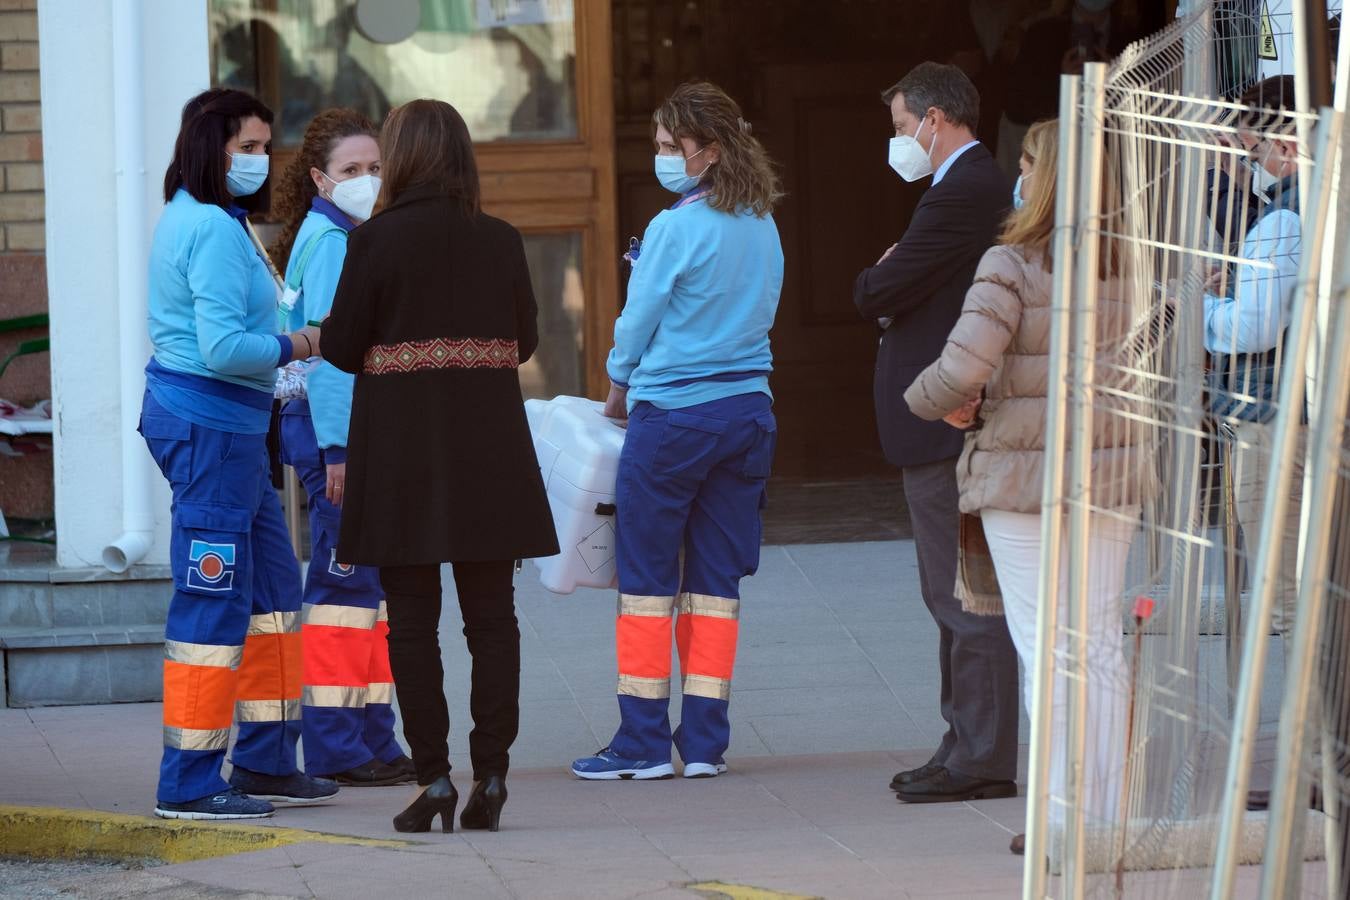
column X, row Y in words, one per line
column 26, row 482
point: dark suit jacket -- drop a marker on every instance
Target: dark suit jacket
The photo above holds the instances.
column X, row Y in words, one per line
column 922, row 286
column 440, row 463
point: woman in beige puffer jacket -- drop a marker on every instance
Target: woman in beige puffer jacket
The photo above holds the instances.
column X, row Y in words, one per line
column 996, row 365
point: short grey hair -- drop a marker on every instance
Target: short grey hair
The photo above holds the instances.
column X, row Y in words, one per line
column 947, row 88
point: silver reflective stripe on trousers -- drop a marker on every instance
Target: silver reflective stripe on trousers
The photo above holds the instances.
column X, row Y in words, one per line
column 340, row 616
column 214, row 655
column 274, row 623
column 196, row 738
column 267, row 710
column 708, row 605
column 638, row 605
column 707, row 686
column 645, row 688
column 335, row 696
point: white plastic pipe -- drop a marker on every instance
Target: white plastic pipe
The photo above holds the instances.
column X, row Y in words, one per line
column 138, row 517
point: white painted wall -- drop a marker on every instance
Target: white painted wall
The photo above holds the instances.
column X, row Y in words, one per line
column 75, row 43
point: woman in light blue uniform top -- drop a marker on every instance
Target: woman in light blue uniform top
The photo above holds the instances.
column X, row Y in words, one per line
column 348, row 723
column 232, row 641
column 690, row 371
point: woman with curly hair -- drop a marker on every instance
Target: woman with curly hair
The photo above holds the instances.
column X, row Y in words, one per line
column 690, row 371
column 348, row 721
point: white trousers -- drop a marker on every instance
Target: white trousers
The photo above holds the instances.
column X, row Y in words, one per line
column 1015, row 545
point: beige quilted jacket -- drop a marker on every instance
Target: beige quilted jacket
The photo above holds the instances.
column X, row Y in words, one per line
column 1001, row 344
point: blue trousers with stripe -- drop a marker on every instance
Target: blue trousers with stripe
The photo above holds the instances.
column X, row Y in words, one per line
column 691, row 482
column 336, row 737
column 236, row 581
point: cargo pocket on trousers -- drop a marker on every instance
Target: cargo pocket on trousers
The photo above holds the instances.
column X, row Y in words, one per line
column 211, row 546
column 689, row 444
column 759, row 458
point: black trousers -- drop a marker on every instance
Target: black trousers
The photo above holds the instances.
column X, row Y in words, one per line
column 487, row 602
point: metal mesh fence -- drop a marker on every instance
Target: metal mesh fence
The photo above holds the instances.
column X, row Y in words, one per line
column 1194, row 650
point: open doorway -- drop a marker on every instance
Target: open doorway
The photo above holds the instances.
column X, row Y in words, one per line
column 808, row 76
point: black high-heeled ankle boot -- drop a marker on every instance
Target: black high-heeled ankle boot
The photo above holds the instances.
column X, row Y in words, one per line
column 483, row 809
column 440, row 797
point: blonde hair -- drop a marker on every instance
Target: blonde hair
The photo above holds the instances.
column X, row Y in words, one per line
column 743, row 177
column 1032, row 228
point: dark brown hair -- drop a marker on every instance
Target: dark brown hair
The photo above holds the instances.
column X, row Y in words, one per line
column 743, row 177
column 1269, row 103
column 931, row 85
column 425, row 142
column 295, row 189
column 211, row 120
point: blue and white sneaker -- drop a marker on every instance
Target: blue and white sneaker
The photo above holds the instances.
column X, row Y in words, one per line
column 296, row 789
column 606, row 765
column 705, row 770
column 230, row 804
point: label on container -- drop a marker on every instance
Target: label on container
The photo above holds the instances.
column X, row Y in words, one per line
column 597, row 548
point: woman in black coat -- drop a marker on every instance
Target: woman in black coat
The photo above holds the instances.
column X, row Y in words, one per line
column 433, row 314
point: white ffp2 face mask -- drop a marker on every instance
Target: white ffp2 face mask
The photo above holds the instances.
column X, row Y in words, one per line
column 908, row 158
column 355, row 196
column 1262, row 181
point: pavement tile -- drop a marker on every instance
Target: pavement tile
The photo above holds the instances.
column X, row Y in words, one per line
column 243, row 873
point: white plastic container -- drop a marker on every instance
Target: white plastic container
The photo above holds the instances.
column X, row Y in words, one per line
column 578, row 450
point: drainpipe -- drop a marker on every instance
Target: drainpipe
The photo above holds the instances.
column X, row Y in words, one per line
column 138, row 517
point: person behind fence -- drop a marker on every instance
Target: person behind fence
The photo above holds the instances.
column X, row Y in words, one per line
column 993, row 379
column 232, row 638
column 329, row 188
column 434, row 313
column 1247, row 314
column 690, row 372
column 915, row 292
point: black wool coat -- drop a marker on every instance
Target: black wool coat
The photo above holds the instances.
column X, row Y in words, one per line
column 922, row 286
column 440, row 463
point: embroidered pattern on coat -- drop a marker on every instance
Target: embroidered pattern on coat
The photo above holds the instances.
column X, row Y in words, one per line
column 441, row 353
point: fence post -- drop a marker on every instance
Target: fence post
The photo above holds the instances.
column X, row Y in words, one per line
column 1043, row 672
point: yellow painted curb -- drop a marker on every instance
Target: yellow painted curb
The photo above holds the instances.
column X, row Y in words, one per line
column 48, row 832
column 719, row 890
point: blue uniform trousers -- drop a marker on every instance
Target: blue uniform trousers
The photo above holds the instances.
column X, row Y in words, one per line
column 689, row 494
column 232, row 640
column 348, row 688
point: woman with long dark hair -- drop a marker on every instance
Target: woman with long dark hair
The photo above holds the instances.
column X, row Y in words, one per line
column 433, row 314
column 328, row 189
column 232, row 640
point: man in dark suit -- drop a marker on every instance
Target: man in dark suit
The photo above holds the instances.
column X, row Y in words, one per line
column 915, row 292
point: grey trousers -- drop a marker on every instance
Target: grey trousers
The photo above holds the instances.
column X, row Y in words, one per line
column 975, row 653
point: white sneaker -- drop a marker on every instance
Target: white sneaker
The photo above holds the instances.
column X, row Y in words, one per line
column 705, row 770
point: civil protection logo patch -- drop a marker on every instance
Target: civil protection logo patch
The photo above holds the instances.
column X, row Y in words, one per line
column 210, row 566
column 341, row 570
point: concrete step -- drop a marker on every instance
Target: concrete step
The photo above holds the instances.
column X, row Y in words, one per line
column 79, row 635
column 83, row 664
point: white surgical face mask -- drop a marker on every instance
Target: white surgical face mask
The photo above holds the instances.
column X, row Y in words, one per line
column 1018, row 202
column 670, row 172
column 1262, row 181
column 908, row 158
column 355, row 196
column 247, row 173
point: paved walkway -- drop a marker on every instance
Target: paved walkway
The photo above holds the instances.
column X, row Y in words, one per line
column 836, row 688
